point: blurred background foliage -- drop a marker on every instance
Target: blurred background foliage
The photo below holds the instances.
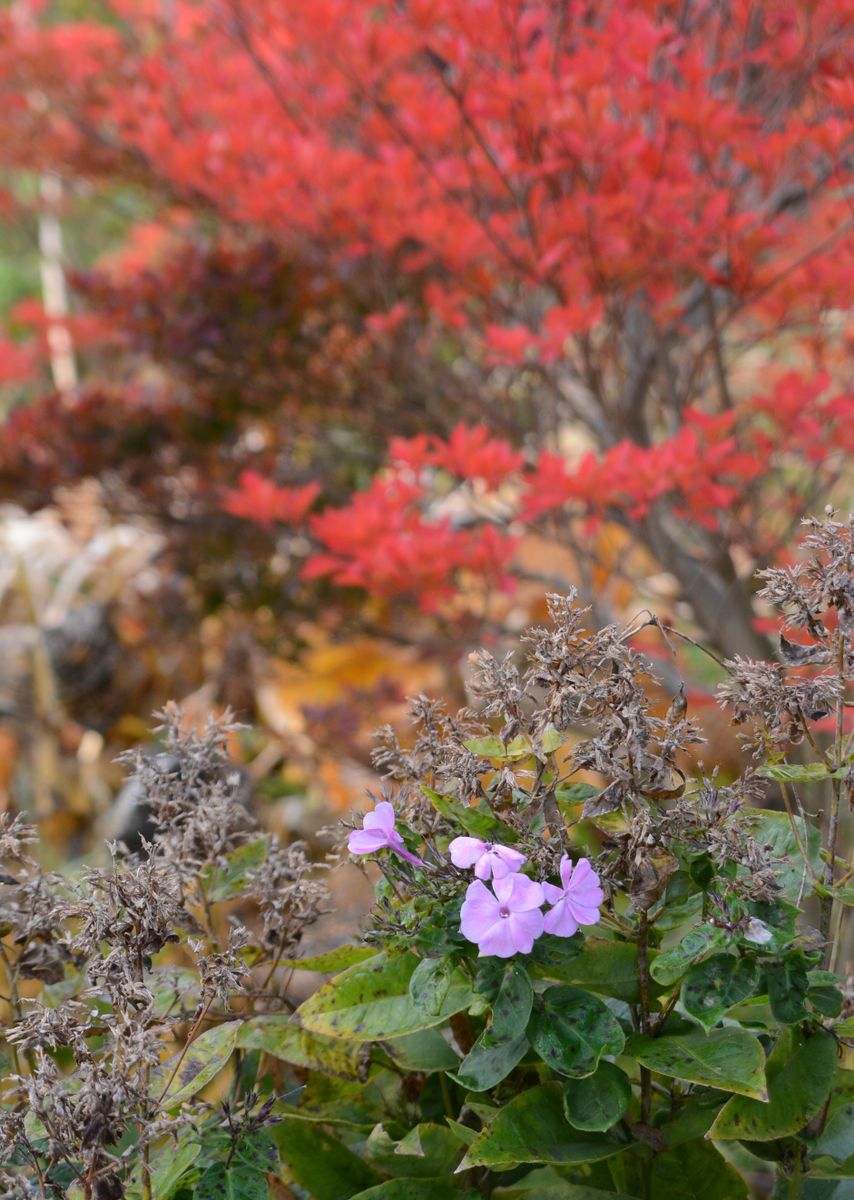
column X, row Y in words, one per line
column 207, row 333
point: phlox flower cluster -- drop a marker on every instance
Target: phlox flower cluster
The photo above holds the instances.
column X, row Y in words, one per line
column 507, row 918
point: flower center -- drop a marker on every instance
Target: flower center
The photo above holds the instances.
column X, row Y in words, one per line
column 504, row 911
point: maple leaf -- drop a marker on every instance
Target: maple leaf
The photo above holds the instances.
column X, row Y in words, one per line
column 259, row 499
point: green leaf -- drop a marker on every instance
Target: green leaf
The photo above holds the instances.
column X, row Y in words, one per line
column 479, row 822
column 774, row 829
column 425, row 1051
column 800, row 1072
column 429, row 984
column 503, row 1043
column 533, row 1129
column 795, row 772
column 202, row 1060
column 693, row 1119
column 712, row 987
column 280, row 1037
column 490, row 1060
column 427, row 1151
column 321, row 1164
column 571, row 1030
column 511, row 1009
column 170, row 1164
column 544, row 1183
column 493, row 747
column 671, row 964
column 695, row 1171
column 410, row 1189
column 257, row 1150
column 598, row 1101
column 224, row 882
column 575, row 793
column 433, row 1145
column 787, row 983
column 729, row 1059
column 462, row 1133
column 235, row 1182
column 824, row 993
column 333, row 960
column 596, row 963
column 371, row 1001
column 837, row 1137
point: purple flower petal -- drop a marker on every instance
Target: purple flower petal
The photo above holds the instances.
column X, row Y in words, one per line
column 577, row 902
column 560, row 921
column 465, row 851
column 366, row 841
column 499, row 940
column 526, row 927
column 381, row 817
column 479, row 912
column 518, row 892
column 505, row 861
column 396, row 843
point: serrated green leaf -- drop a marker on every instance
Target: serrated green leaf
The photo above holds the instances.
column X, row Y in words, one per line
column 729, row 1059
column 800, row 1073
column 600, row 1100
column 571, row 1029
column 533, row 1129
column 712, row 987
column 371, row 1001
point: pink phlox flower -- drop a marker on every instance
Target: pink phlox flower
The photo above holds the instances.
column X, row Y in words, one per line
column 378, row 833
column 576, row 902
column 486, row 858
column 507, row 922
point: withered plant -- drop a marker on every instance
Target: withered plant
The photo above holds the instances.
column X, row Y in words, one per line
column 592, row 968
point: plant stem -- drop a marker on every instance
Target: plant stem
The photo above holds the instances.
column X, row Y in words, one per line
column 186, row 1047
column 645, row 1073
column 836, row 799
column 796, row 1178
